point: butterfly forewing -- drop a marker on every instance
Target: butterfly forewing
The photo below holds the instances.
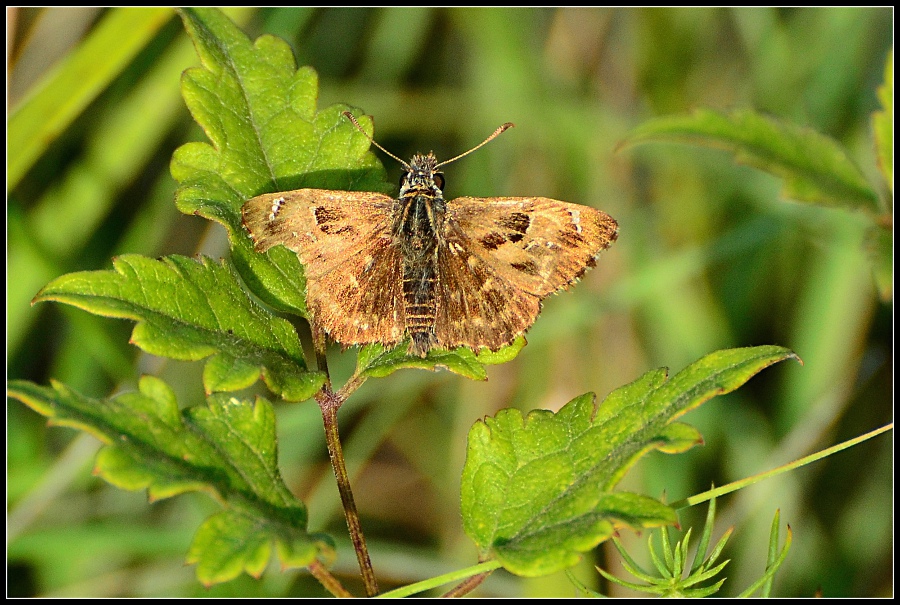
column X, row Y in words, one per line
column 353, row 264
column 539, row 245
column 323, row 227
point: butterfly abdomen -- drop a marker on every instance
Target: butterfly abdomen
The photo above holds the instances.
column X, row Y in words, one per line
column 419, row 285
column 418, row 243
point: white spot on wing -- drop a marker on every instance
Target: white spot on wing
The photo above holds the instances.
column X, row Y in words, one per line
column 277, row 203
column 576, row 218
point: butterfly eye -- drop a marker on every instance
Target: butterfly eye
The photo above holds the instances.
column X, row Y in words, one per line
column 439, row 180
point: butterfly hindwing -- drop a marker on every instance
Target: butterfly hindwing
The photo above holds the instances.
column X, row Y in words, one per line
column 475, row 307
column 360, row 300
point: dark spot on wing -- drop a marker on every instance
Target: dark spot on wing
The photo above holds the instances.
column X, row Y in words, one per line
column 329, row 219
column 335, row 230
column 517, row 223
column 526, row 267
column 328, row 215
column 571, row 239
column 492, row 240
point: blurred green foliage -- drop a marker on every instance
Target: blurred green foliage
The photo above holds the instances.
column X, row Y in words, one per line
column 708, row 257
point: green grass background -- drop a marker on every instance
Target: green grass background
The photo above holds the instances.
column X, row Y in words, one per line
column 708, row 257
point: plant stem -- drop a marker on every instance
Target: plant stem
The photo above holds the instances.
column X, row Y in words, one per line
column 329, row 404
column 485, row 568
column 328, row 581
column 466, row 586
column 318, row 336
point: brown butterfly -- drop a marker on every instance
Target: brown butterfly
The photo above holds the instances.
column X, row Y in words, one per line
column 469, row 272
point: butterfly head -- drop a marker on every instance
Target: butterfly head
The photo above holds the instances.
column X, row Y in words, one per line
column 422, row 177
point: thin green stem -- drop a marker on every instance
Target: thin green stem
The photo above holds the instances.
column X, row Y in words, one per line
column 480, row 569
column 351, row 385
column 736, row 485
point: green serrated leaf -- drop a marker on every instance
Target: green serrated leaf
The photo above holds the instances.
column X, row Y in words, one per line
column 536, row 490
column 259, row 112
column 815, row 168
column 244, row 438
column 529, row 494
column 678, row 437
column 640, row 412
column 883, row 124
column 231, row 542
column 226, row 448
column 188, row 309
column 374, row 361
column 504, row 355
column 226, row 545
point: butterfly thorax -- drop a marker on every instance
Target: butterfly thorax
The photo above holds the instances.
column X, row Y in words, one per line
column 417, row 229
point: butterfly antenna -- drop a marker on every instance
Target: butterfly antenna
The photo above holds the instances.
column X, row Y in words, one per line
column 350, row 117
column 496, row 134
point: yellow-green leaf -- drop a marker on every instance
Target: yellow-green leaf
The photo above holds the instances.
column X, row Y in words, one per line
column 189, row 309
column 226, row 448
column 815, row 168
column 266, row 134
column 536, row 490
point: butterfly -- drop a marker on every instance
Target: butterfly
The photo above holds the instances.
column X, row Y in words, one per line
column 468, row 272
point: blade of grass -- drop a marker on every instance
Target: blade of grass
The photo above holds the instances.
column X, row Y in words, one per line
column 77, row 81
column 736, row 485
